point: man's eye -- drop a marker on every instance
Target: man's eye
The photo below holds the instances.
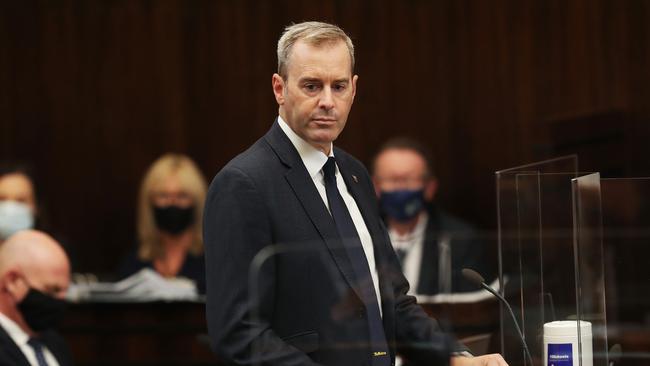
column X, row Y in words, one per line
column 311, row 87
column 339, row 87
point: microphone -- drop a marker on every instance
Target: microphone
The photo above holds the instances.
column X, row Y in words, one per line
column 474, row 277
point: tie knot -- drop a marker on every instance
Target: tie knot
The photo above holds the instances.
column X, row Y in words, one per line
column 329, row 169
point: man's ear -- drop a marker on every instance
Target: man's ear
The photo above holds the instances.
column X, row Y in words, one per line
column 430, row 189
column 278, row 88
column 354, row 85
column 13, row 283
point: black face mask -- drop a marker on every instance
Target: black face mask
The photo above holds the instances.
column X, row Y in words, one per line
column 40, row 311
column 173, row 219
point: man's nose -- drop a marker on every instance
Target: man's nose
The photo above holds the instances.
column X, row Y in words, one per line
column 326, row 99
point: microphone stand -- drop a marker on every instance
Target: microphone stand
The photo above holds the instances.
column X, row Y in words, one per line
column 514, row 320
column 474, row 277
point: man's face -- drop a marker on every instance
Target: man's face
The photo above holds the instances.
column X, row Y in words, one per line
column 402, row 169
column 52, row 280
column 317, row 96
column 17, row 187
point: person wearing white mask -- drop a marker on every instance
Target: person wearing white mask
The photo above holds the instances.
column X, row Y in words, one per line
column 18, row 207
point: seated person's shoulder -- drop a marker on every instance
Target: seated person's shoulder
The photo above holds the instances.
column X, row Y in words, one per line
column 194, row 269
column 454, row 224
column 131, row 264
column 195, row 263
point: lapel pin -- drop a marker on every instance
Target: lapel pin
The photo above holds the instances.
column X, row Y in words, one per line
column 355, row 179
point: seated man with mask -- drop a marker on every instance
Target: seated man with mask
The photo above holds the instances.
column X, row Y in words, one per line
column 34, row 278
column 433, row 246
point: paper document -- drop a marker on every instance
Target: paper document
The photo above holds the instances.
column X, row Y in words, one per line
column 145, row 285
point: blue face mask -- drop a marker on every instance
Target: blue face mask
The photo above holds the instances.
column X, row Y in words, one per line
column 402, row 205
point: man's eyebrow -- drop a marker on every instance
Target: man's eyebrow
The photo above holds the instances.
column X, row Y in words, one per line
column 317, row 80
column 310, row 80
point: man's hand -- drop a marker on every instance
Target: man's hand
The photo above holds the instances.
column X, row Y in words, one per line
column 494, row 359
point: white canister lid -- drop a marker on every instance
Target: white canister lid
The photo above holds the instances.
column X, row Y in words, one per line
column 562, row 328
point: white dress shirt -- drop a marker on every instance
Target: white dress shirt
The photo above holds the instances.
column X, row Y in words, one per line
column 20, row 338
column 412, row 244
column 314, row 160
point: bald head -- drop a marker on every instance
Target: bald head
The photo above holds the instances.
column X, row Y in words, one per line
column 39, row 259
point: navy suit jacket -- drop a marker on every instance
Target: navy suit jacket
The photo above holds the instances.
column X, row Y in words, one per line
column 10, row 354
column 280, row 287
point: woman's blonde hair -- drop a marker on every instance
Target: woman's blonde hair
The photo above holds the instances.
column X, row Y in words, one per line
column 191, row 180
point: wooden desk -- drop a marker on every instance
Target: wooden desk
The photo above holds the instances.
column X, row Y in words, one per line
column 174, row 333
column 129, row 334
column 467, row 320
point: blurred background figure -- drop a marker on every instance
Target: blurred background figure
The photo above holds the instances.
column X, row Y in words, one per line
column 34, row 278
column 432, row 245
column 18, row 204
column 21, row 207
column 170, row 211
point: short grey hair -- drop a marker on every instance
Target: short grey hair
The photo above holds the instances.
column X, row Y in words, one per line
column 313, row 33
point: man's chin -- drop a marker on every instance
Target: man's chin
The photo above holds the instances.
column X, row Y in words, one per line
column 324, row 138
column 321, row 141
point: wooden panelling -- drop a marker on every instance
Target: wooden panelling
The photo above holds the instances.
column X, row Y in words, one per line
column 92, row 91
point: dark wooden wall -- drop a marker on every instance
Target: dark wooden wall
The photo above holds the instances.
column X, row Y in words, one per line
column 91, row 92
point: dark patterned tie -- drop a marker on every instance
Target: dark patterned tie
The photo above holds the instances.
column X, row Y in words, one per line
column 38, row 351
column 401, row 254
column 350, row 237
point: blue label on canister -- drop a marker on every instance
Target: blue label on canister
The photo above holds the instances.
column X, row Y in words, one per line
column 560, row 354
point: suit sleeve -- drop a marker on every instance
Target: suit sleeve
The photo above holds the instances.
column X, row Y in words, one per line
column 417, row 336
column 237, row 233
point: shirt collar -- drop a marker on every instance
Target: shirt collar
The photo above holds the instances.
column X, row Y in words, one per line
column 406, row 241
column 313, row 158
column 13, row 330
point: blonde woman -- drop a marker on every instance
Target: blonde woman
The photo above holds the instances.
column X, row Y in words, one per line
column 170, row 208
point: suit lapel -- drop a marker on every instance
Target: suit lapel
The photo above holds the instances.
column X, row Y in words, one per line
column 304, row 189
column 367, row 206
column 11, row 350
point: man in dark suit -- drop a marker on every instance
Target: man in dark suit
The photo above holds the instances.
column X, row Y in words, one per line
column 433, row 246
column 34, row 277
column 300, row 270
